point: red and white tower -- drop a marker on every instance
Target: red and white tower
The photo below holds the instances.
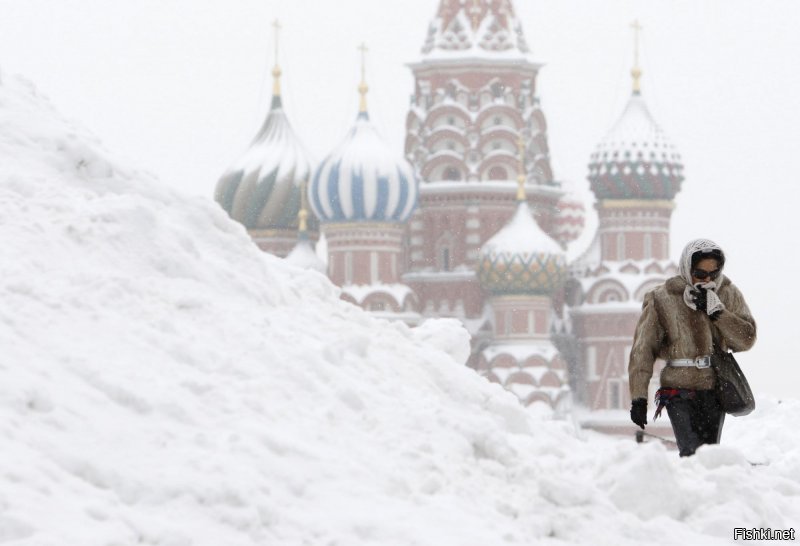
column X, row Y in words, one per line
column 635, row 173
column 520, row 269
column 474, row 97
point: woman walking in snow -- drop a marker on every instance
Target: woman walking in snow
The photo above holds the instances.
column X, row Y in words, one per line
column 683, row 322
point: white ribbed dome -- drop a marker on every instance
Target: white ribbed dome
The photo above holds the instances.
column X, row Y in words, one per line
column 363, row 180
column 262, row 190
column 635, row 159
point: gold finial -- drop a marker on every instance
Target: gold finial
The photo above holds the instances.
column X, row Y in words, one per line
column 636, row 72
column 276, row 70
column 362, row 87
column 302, row 216
column 521, row 175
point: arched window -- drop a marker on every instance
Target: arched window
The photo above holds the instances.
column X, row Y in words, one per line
column 498, row 173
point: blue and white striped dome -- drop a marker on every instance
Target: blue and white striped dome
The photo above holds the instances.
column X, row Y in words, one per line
column 363, row 181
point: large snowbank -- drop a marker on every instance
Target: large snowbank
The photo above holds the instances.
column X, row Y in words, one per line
column 164, row 382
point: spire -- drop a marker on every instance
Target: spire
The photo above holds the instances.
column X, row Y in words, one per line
column 483, row 27
column 362, row 87
column 521, row 176
column 302, row 216
column 276, row 70
column 636, row 72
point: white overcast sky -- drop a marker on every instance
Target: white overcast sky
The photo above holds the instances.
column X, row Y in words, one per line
column 179, row 87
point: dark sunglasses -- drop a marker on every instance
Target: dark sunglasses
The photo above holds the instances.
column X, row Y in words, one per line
column 703, row 274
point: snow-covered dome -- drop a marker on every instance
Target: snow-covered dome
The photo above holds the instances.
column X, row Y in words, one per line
column 363, row 180
column 263, row 189
column 303, row 255
column 635, row 160
column 521, row 258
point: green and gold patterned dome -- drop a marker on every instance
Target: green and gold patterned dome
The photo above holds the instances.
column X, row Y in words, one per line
column 521, row 258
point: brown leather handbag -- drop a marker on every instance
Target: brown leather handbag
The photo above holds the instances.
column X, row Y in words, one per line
column 733, row 391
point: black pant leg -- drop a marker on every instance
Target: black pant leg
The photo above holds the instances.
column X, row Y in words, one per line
column 708, row 418
column 680, row 411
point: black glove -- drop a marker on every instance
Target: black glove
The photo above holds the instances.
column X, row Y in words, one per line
column 639, row 412
column 700, row 299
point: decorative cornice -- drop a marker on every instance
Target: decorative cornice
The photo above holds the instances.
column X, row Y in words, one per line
column 635, row 203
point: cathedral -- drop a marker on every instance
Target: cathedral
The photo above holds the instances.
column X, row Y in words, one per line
column 469, row 220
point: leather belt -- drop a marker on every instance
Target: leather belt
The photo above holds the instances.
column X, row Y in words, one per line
column 699, row 362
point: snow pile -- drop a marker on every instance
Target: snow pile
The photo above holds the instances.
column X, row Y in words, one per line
column 164, row 382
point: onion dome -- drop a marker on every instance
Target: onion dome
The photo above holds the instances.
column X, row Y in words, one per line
column 262, row 189
column 521, row 258
column 569, row 220
column 363, row 180
column 635, row 160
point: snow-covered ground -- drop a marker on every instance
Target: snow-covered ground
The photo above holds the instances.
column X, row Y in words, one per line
column 164, row 382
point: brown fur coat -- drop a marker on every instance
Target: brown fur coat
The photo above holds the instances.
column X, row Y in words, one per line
column 668, row 328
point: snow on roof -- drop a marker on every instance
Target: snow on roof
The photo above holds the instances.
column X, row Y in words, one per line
column 363, row 179
column 522, row 351
column 360, row 292
column 535, row 372
column 610, row 307
column 522, row 236
column 304, row 256
column 636, row 131
column 632, row 275
column 458, row 273
column 486, row 186
column 524, row 390
column 262, row 189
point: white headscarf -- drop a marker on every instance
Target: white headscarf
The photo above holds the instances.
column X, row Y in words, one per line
column 713, row 301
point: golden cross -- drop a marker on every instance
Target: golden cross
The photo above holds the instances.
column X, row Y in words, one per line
column 636, row 26
column 362, row 87
column 363, row 49
column 276, row 70
column 277, row 26
column 636, row 72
